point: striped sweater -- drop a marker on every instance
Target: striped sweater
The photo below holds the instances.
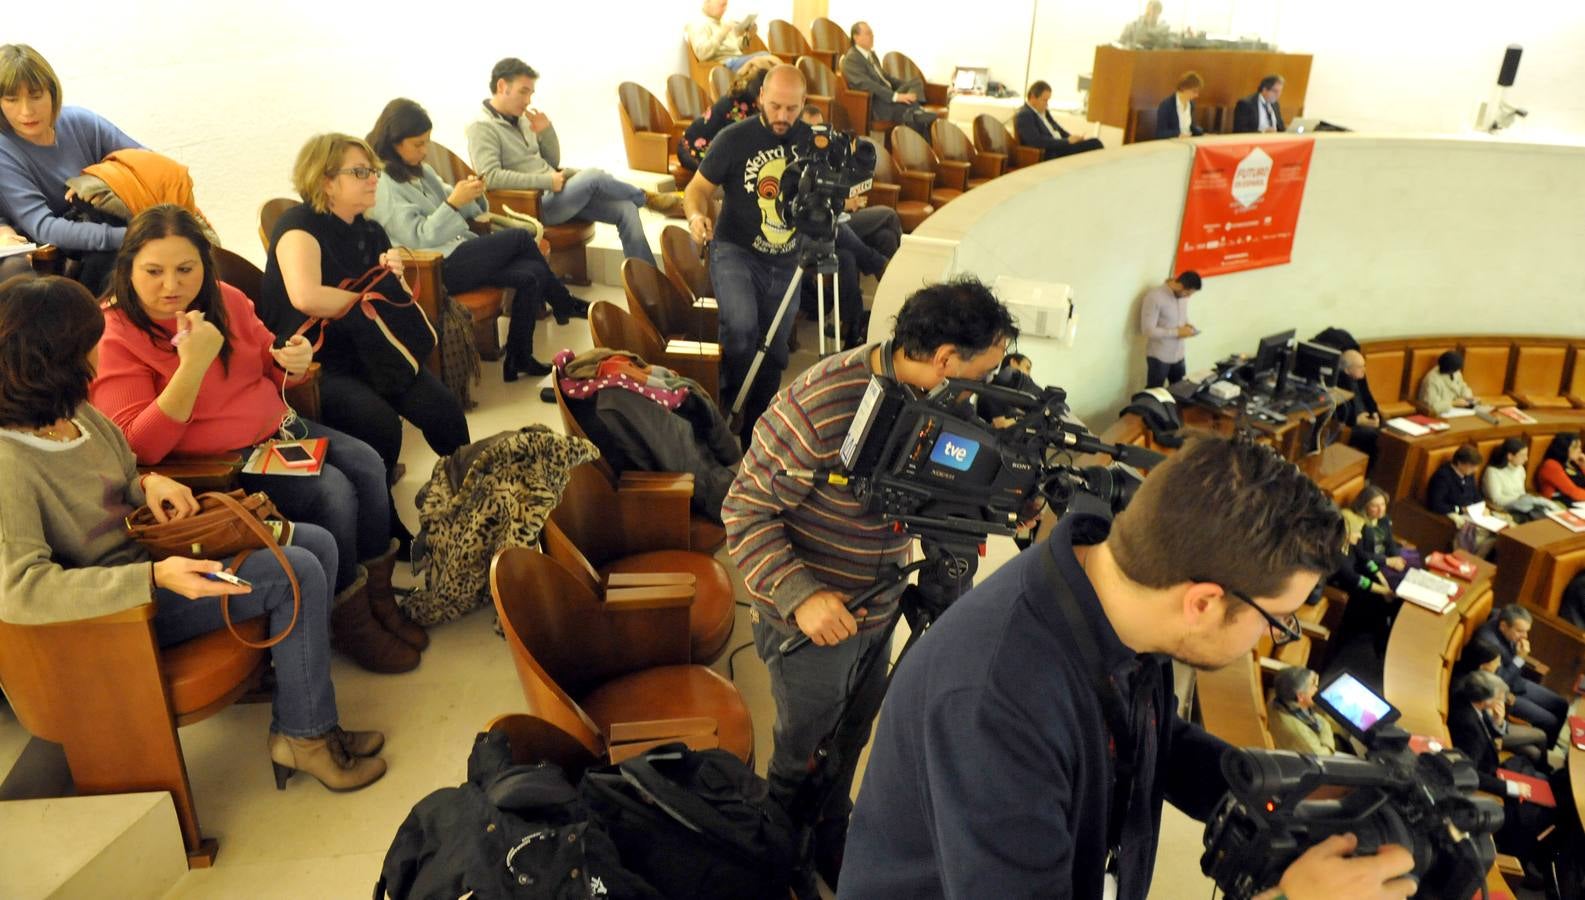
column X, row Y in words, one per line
column 791, row 538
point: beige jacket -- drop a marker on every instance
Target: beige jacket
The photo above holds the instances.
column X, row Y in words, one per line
column 715, row 39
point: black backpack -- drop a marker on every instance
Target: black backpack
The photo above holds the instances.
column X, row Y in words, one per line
column 696, row 824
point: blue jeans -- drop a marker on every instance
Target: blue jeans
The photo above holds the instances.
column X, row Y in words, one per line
column 733, row 63
column 593, row 194
column 305, row 700
column 749, row 289
column 348, row 498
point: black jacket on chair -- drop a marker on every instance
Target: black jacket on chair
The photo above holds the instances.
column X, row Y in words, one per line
column 1246, row 115
column 1167, row 124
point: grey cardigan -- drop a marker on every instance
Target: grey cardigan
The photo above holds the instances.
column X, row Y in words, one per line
column 512, row 157
column 415, row 213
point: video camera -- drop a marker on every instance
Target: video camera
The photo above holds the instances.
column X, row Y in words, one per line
column 1424, row 802
column 930, row 463
column 827, row 168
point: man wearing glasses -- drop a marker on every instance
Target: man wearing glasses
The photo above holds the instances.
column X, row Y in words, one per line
column 1030, row 737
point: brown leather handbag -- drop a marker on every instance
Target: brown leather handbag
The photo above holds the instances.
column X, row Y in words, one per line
column 226, row 525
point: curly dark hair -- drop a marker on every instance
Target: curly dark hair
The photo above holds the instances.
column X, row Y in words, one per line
column 1227, row 511
column 48, row 326
column 155, row 223
column 962, row 312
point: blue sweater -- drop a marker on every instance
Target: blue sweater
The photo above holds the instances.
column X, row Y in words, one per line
column 990, row 774
column 33, row 180
column 415, row 214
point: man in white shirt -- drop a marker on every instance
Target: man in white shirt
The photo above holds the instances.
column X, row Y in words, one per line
column 715, row 38
column 1036, row 127
column 891, row 100
column 1260, row 112
column 1164, row 322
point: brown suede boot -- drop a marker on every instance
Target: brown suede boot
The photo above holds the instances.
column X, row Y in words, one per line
column 382, row 601
column 668, row 203
column 355, row 632
column 323, row 757
column 359, row 743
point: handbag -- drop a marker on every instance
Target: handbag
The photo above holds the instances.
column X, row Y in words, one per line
column 226, row 525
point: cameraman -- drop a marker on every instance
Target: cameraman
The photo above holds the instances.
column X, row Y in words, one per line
column 995, row 772
column 804, row 549
column 753, row 253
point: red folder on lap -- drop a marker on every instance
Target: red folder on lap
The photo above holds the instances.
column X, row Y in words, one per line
column 1540, row 790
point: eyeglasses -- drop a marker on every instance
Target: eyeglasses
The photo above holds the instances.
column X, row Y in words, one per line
column 358, row 172
column 1283, row 631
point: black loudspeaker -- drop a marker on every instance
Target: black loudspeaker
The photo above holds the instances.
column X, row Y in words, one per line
column 1510, row 66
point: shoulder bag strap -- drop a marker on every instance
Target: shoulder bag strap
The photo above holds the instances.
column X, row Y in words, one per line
column 252, row 523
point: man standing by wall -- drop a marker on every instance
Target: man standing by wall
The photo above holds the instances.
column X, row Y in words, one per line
column 1164, row 321
column 804, row 549
column 753, row 253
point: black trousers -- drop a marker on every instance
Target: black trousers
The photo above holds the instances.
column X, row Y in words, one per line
column 1068, row 149
column 1161, row 374
column 508, row 258
column 349, row 404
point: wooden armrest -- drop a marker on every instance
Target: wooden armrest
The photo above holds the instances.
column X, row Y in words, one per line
column 218, row 472
column 935, row 94
column 1315, row 630
column 143, row 612
column 953, row 174
column 653, row 509
column 917, row 185
column 654, row 480
column 1509, row 865
column 479, row 228
column 648, row 579
column 1535, row 669
column 661, row 596
column 884, row 194
column 1268, row 664
column 421, row 257
column 650, row 151
column 621, row 752
column 989, row 165
column 524, row 201
column 622, row 732
column 1028, row 156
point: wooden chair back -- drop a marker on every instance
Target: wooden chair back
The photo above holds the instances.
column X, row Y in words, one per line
column 686, row 269
column 269, row 214
column 1421, row 361
column 990, row 135
column 535, row 740
column 613, row 327
column 652, row 296
column 1575, row 384
column 1538, row 369
column 786, row 41
column 1143, row 125
column 899, row 67
column 1385, row 370
column 841, row 119
column 246, row 277
column 949, row 141
column 720, row 83
column 885, row 166
column 685, row 99
column 1233, row 703
column 448, row 165
column 827, row 36
column 911, row 152
column 643, row 110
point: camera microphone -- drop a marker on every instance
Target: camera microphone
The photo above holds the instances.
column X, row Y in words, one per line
column 1128, row 454
column 819, row 476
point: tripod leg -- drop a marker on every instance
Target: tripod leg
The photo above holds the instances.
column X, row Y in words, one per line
column 765, row 341
column 836, row 309
column 820, row 313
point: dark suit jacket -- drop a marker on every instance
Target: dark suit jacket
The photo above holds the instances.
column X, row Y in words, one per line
column 1467, row 726
column 1033, row 134
column 1511, row 672
column 861, row 76
column 1246, row 115
column 1167, row 124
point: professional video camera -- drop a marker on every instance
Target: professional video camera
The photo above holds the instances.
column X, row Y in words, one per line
column 1424, row 802
column 826, row 169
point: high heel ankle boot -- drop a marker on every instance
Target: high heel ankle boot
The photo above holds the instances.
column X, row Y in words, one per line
column 359, row 743
column 518, row 356
column 382, row 600
column 325, row 758
column 355, row 632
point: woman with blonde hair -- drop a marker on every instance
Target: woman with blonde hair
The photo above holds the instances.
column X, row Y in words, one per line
column 327, row 261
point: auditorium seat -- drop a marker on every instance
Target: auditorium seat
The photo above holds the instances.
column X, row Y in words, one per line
column 915, row 160
column 991, row 136
column 1385, row 369
column 952, row 146
column 1422, row 359
column 1486, row 365
column 648, row 133
column 685, row 100
column 899, row 67
column 828, row 90
column 718, row 83
column 604, row 665
column 910, row 196
column 1538, row 368
column 829, row 38
column 1575, row 391
column 787, row 42
column 1143, row 125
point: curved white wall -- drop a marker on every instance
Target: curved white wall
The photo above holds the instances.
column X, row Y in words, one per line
column 1397, row 236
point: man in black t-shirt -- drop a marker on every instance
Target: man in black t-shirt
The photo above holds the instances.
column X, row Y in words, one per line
column 753, row 253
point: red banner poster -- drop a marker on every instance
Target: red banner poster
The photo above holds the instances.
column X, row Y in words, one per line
column 1243, row 205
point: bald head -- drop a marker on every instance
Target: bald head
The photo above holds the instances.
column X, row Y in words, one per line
column 781, row 98
column 1352, row 362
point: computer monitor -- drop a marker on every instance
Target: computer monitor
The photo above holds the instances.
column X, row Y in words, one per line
column 1269, row 354
column 1316, row 363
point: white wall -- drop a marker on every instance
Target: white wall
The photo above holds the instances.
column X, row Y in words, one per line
column 1396, row 236
column 232, row 89
column 1379, row 65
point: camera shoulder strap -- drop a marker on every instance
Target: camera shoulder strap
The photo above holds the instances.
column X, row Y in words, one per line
column 888, row 367
column 1124, row 744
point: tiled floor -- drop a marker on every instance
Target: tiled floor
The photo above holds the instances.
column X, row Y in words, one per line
column 306, row 842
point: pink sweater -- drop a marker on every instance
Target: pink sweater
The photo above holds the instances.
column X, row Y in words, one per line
column 235, row 408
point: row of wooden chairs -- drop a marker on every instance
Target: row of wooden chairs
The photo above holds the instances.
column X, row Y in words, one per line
column 1532, row 372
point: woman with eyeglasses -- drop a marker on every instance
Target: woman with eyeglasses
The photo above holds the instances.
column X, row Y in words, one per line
column 187, row 369
column 420, row 211
column 376, row 339
column 65, row 555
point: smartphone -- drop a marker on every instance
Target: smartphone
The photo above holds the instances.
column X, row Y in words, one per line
column 293, row 456
column 228, row 578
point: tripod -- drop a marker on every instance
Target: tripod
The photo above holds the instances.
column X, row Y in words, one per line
column 820, row 256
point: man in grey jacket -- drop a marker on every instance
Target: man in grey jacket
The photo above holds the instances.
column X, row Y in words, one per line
column 514, row 146
column 893, row 101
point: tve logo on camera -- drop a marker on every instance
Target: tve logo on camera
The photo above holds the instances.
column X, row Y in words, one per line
column 954, row 451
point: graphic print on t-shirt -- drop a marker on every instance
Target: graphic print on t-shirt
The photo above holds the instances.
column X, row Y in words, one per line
column 762, row 178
